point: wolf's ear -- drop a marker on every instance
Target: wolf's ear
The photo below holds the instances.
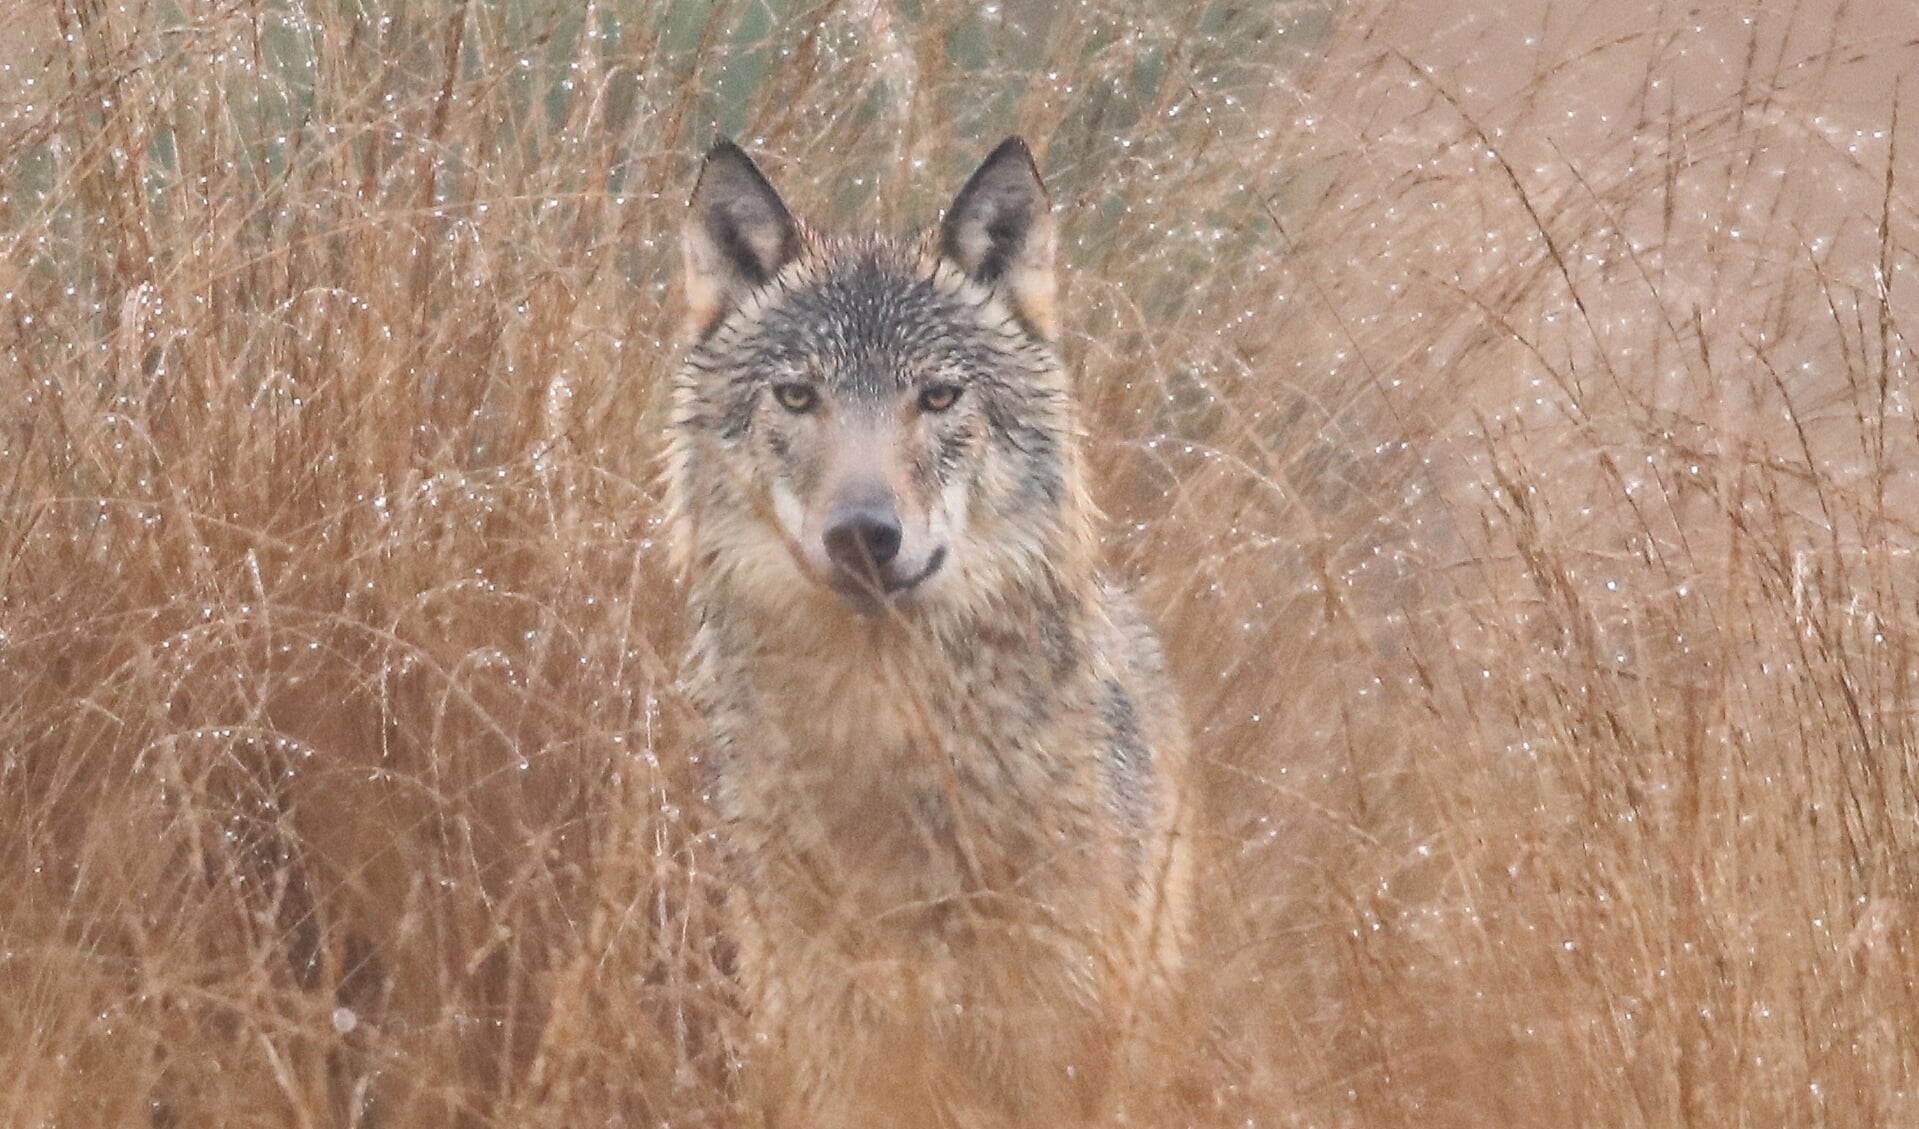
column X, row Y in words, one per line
column 1000, row 231
column 738, row 235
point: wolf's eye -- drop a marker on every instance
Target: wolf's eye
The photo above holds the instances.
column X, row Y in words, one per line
column 939, row 397
column 796, row 397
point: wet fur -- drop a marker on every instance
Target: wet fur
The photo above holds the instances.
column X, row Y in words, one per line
column 954, row 825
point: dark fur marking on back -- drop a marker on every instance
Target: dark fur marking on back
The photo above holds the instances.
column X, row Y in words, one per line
column 1129, row 772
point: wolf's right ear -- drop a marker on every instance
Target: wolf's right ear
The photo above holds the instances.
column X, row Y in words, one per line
column 738, row 235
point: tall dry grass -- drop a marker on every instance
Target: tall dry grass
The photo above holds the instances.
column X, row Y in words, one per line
column 1509, row 407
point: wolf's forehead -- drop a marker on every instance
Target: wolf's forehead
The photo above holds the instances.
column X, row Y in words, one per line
column 879, row 306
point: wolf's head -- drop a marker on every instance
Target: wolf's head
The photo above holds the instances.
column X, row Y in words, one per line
column 883, row 419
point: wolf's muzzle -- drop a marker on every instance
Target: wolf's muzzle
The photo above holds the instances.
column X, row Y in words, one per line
column 863, row 535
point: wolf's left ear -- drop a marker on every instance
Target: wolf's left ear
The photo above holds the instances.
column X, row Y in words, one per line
column 738, row 235
column 1000, row 232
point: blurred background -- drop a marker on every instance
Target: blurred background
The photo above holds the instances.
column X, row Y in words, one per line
column 1507, row 409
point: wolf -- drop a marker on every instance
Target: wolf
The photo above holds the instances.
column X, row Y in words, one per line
column 948, row 761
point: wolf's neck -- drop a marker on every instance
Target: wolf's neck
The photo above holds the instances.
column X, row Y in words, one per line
column 865, row 716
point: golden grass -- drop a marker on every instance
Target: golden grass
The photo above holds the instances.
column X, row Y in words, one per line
column 1510, row 410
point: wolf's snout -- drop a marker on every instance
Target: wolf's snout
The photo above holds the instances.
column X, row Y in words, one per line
column 863, row 534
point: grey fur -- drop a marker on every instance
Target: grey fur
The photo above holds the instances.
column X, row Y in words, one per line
column 951, row 788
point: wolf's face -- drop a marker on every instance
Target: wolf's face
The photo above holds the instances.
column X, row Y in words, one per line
column 871, row 416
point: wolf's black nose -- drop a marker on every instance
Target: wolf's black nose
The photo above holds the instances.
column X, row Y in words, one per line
column 861, row 537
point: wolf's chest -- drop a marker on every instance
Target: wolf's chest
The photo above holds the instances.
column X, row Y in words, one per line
column 900, row 788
